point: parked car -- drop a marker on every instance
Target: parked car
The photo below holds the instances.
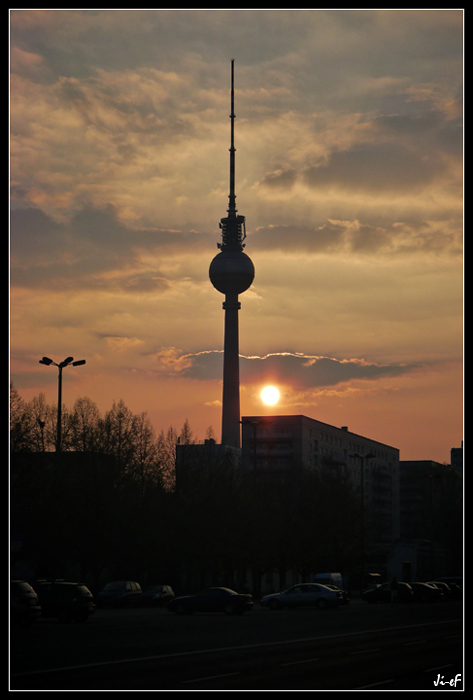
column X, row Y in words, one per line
column 333, row 580
column 456, row 591
column 66, row 600
column 212, row 600
column 120, row 594
column 452, row 579
column 345, row 596
column 426, row 592
column 447, row 593
column 382, row 594
column 304, row 595
column 455, row 583
column 158, row 594
column 24, row 604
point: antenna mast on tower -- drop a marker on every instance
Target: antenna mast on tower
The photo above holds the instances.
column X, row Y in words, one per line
column 233, row 226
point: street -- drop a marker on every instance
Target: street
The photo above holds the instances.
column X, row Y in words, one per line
column 409, row 647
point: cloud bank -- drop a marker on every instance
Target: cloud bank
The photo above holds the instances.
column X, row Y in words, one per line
column 297, row 370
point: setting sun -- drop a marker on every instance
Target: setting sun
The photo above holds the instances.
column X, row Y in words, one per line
column 270, row 395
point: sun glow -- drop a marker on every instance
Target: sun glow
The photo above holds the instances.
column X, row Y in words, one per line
column 270, row 395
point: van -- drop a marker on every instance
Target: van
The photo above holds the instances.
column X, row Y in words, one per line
column 330, row 580
column 66, row 600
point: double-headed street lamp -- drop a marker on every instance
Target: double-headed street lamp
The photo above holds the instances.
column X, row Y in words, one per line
column 68, row 361
column 362, row 458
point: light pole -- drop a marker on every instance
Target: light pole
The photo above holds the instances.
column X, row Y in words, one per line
column 362, row 458
column 68, row 361
column 431, row 478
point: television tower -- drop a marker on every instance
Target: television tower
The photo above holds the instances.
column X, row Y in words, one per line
column 231, row 273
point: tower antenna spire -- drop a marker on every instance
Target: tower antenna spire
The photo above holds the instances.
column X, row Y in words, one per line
column 232, row 226
column 232, row 197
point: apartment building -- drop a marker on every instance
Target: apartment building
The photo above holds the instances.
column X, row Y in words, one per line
column 276, row 448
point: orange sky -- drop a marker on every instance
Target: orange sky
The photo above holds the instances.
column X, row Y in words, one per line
column 349, row 172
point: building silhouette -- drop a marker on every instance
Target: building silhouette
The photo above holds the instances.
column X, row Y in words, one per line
column 431, row 519
column 277, row 448
column 456, row 458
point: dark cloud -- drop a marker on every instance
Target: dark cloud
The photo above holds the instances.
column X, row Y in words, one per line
column 33, row 235
column 370, row 239
column 429, row 130
column 308, row 372
column 95, row 250
column 144, row 284
column 408, row 124
column 75, row 41
column 45, row 253
column 375, row 168
column 281, row 178
column 327, row 236
column 300, row 371
column 412, row 236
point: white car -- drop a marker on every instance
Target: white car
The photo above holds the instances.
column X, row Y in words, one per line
column 304, row 595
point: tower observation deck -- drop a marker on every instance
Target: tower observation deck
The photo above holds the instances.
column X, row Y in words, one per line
column 231, row 273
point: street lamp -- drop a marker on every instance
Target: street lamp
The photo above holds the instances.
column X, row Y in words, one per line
column 68, row 361
column 362, row 458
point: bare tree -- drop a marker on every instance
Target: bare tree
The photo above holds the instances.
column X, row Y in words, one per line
column 166, row 447
column 84, row 426
column 187, row 436
column 117, row 432
column 20, row 423
column 145, row 463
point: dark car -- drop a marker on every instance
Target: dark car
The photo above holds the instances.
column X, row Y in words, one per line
column 305, row 595
column 120, row 594
column 66, row 600
column 455, row 584
column 456, row 591
column 158, row 594
column 382, row 593
column 213, row 600
column 426, row 592
column 447, row 593
column 24, row 604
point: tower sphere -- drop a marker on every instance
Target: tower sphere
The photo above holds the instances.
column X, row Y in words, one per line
column 232, row 272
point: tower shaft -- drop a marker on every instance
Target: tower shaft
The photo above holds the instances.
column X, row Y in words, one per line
column 231, row 373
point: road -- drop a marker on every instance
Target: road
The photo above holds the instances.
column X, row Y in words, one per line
column 409, row 647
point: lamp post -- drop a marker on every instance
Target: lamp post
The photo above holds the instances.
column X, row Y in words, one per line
column 431, row 478
column 65, row 363
column 362, row 458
